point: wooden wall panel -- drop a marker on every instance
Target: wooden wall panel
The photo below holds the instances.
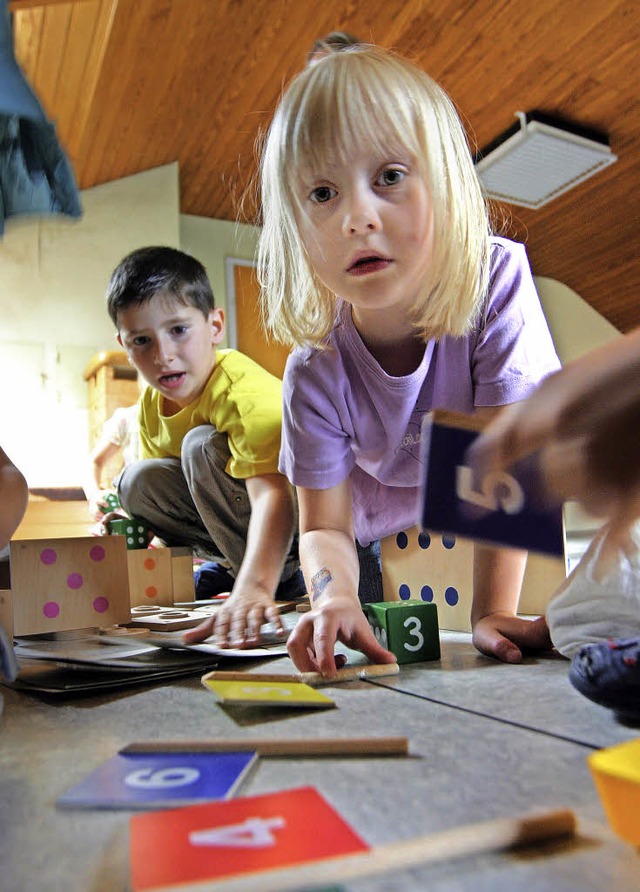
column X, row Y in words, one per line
column 134, row 84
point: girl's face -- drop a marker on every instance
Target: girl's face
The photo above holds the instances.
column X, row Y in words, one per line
column 366, row 224
column 173, row 347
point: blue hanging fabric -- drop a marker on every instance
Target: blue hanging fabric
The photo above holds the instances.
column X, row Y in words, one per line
column 35, row 174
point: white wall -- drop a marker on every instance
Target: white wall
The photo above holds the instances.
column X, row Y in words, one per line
column 53, row 274
column 212, row 242
column 576, row 328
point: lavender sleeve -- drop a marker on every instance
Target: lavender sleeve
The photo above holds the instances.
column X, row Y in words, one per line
column 514, row 350
column 315, row 449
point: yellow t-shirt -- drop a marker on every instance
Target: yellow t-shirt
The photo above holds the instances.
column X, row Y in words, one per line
column 240, row 399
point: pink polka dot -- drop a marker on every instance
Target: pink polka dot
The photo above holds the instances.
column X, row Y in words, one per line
column 75, row 580
column 100, row 605
column 51, row 609
column 97, row 553
column 48, row 556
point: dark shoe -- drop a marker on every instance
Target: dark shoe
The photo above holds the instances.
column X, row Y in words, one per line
column 292, row 589
column 212, row 579
column 609, row 674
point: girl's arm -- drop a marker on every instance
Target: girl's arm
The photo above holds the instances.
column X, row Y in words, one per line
column 14, row 495
column 583, row 421
column 497, row 580
column 497, row 631
column 251, row 603
column 330, row 565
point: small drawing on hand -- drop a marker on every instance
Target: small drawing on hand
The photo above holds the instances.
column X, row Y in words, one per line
column 319, row 582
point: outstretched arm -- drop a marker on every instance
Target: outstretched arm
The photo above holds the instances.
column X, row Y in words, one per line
column 584, row 422
column 102, row 453
column 497, row 581
column 330, row 564
column 251, row 603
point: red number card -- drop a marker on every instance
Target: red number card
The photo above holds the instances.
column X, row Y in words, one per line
column 219, row 840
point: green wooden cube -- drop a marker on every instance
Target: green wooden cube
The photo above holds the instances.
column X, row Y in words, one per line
column 112, row 501
column 135, row 531
column 407, row 628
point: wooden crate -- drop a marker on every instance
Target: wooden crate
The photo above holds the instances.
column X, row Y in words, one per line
column 113, row 384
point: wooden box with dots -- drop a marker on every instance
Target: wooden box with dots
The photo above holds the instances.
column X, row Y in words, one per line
column 430, row 567
column 150, row 577
column 438, row 568
column 65, row 584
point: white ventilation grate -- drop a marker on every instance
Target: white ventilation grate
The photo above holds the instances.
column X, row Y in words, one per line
column 539, row 161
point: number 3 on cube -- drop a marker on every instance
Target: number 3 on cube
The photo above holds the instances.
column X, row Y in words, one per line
column 407, row 628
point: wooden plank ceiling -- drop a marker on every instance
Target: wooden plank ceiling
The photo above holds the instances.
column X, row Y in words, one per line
column 133, row 84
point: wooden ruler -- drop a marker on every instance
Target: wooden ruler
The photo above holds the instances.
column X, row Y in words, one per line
column 306, row 747
column 471, row 839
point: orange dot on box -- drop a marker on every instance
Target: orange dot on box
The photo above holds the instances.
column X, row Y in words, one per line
column 150, row 564
column 151, row 591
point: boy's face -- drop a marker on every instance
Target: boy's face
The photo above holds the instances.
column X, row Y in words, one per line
column 172, row 345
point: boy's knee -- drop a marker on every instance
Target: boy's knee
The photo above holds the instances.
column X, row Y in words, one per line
column 132, row 479
column 195, row 440
column 205, row 447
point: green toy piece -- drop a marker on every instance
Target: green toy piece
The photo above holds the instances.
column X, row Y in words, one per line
column 112, row 501
column 136, row 532
column 407, row 628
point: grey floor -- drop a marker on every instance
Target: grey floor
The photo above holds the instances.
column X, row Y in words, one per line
column 487, row 740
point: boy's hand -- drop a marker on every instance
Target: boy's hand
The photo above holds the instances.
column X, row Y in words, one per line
column 502, row 635
column 98, row 505
column 337, row 618
column 237, row 622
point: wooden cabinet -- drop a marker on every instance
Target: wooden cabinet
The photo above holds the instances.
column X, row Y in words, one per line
column 112, row 383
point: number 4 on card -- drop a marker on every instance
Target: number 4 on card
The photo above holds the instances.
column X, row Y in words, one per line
column 244, row 836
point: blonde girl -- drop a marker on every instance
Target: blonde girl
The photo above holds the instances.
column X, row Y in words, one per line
column 377, row 263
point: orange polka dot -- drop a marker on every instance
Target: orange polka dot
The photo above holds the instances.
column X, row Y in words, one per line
column 151, row 591
column 150, row 564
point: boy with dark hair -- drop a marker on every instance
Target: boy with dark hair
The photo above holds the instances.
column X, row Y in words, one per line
column 210, row 436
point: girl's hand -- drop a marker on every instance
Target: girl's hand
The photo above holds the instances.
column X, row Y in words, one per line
column 502, row 635
column 339, row 618
column 237, row 622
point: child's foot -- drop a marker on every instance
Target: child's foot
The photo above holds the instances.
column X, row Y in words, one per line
column 609, row 674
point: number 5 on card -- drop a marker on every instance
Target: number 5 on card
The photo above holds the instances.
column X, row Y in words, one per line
column 505, row 508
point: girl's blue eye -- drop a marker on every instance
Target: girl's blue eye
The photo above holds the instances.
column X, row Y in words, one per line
column 391, row 176
column 140, row 342
column 322, row 194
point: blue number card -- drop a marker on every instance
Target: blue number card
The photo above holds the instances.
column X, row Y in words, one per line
column 505, row 508
column 148, row 781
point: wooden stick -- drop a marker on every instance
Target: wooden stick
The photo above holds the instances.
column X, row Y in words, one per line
column 470, row 839
column 306, row 747
column 314, row 679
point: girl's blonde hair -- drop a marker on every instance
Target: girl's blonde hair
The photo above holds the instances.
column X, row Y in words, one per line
column 368, row 96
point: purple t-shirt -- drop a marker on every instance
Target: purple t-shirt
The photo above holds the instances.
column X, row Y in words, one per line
column 343, row 416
